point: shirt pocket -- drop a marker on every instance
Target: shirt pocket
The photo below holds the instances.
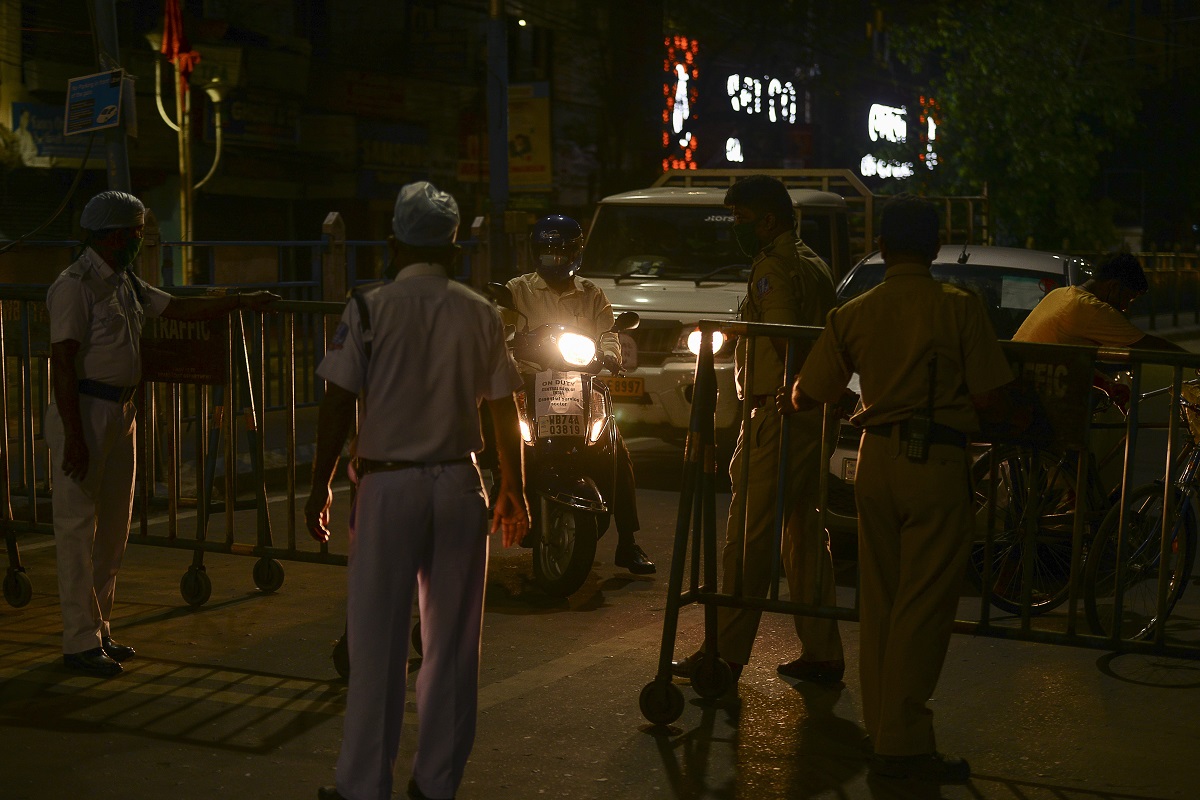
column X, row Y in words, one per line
column 111, row 323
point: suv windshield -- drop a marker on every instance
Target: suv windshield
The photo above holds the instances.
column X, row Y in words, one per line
column 685, row 242
column 663, row 242
column 1008, row 294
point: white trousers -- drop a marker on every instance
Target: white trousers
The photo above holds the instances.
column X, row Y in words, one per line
column 91, row 518
column 426, row 526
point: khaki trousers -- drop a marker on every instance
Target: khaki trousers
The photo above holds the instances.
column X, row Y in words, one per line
column 805, row 550
column 914, row 532
column 91, row 518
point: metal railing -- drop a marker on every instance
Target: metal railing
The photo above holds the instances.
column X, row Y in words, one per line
column 189, row 455
column 1062, row 376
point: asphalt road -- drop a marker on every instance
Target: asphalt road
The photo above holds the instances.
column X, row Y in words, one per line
column 240, row 699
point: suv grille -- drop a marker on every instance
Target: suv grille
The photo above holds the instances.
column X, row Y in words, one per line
column 656, row 340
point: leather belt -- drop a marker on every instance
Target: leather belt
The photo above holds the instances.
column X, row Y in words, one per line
column 938, row 434
column 365, row 466
column 105, row 391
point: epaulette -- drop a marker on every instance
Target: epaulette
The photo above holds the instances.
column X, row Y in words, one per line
column 359, row 296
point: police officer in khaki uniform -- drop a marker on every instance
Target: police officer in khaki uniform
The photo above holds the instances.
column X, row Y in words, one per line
column 929, row 368
column 435, row 350
column 789, row 284
column 97, row 307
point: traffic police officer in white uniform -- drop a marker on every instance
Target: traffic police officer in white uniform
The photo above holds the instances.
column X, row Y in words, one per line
column 97, row 308
column 423, row 356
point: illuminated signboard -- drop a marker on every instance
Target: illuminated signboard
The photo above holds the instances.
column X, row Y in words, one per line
column 890, row 124
column 679, row 93
column 722, row 113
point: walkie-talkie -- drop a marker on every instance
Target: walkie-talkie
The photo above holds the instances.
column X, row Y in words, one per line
column 920, row 424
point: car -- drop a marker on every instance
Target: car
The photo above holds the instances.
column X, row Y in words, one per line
column 668, row 253
column 106, row 113
column 1009, row 280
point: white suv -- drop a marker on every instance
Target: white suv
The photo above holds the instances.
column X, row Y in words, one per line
column 668, row 253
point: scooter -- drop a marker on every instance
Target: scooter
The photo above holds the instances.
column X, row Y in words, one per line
column 568, row 429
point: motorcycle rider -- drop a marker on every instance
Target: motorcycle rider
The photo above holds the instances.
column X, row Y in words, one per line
column 553, row 294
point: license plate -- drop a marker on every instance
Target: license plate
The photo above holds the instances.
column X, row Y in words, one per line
column 560, row 425
column 849, row 468
column 626, row 387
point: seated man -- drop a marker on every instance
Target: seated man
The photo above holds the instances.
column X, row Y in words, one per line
column 553, row 295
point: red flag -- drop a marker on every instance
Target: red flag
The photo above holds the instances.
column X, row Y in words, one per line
column 175, row 45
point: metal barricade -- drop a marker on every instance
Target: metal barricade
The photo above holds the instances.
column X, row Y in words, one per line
column 178, row 472
column 1014, row 518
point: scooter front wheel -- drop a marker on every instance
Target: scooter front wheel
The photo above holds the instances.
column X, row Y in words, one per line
column 565, row 549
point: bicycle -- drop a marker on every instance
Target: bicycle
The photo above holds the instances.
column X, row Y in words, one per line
column 1039, row 486
column 1141, row 559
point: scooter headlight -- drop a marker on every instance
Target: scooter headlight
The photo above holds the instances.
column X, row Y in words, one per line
column 523, row 419
column 694, row 339
column 598, row 417
column 577, row 350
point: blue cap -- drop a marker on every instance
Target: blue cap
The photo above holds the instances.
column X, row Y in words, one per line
column 425, row 216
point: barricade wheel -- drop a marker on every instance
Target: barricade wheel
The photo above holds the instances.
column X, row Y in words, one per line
column 18, row 589
column 661, row 702
column 415, row 638
column 268, row 575
column 711, row 677
column 195, row 587
column 341, row 657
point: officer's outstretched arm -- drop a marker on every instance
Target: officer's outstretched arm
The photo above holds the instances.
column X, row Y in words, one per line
column 334, row 421
column 511, row 513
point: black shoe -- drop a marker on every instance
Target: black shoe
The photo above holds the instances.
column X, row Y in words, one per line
column 931, row 767
column 633, row 558
column 117, row 652
column 329, row 793
column 826, row 672
column 92, row 662
column 683, row 668
column 415, row 793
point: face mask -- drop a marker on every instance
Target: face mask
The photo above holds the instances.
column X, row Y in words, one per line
column 747, row 239
column 130, row 252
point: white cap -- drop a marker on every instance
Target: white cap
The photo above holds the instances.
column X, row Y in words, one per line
column 425, row 216
column 112, row 209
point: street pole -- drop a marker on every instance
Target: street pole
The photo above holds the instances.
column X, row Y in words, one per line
column 182, row 119
column 497, row 97
column 115, row 141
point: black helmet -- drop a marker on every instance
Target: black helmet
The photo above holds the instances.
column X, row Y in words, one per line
column 556, row 247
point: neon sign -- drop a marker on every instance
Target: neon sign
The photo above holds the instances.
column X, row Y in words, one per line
column 746, row 95
column 680, row 74
column 890, row 124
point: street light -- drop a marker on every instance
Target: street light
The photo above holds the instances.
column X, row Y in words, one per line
column 217, row 92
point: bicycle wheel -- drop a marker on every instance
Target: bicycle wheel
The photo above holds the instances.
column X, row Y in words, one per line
column 1142, row 542
column 1052, row 476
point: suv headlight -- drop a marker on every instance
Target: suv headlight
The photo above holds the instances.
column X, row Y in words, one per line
column 692, row 341
column 576, row 349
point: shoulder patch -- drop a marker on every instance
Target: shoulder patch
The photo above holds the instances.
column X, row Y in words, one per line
column 762, row 287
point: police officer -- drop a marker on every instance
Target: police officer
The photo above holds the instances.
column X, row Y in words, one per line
column 425, row 354
column 97, row 308
column 789, row 284
column 929, row 368
column 554, row 294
